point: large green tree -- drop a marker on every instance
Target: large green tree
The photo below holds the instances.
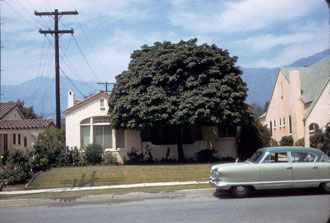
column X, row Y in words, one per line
column 178, row 85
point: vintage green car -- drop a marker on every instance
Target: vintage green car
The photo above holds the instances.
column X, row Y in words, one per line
column 274, row 168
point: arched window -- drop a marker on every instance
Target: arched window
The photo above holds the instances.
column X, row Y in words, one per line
column 96, row 130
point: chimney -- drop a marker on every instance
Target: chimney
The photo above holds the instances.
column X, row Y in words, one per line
column 70, row 98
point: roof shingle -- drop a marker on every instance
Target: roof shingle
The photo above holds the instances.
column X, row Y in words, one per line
column 5, row 108
column 25, row 124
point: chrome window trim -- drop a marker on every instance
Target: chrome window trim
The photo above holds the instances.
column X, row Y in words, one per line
column 315, row 160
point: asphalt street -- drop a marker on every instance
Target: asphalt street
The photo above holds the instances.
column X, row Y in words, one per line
column 182, row 206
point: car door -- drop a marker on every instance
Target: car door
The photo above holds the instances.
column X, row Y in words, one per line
column 276, row 171
column 305, row 169
column 324, row 168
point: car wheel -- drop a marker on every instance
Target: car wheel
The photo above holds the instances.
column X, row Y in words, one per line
column 240, row 191
column 325, row 187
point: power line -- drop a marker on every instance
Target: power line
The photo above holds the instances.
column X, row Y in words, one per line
column 89, row 43
column 18, row 14
column 72, row 83
column 83, row 55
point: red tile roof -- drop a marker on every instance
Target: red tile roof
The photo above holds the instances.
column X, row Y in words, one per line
column 26, row 124
column 5, row 108
column 80, row 102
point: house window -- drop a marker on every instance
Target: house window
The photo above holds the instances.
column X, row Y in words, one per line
column 271, row 128
column 228, row 131
column 85, row 136
column 25, row 141
column 102, row 135
column 101, row 132
column 14, row 139
column 290, row 125
column 274, row 124
column 281, row 91
column 280, row 123
column 5, row 142
column 102, row 104
column 19, row 139
column 283, row 122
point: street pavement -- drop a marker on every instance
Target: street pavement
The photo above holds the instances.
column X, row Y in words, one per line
column 181, row 206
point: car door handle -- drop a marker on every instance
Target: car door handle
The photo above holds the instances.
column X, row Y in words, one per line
column 315, row 167
column 289, row 167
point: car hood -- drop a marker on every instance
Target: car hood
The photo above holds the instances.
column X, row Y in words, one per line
column 229, row 165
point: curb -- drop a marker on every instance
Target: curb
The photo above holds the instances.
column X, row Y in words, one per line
column 104, row 198
column 70, row 189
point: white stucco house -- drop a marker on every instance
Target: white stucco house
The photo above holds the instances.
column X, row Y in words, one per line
column 300, row 102
column 16, row 132
column 86, row 121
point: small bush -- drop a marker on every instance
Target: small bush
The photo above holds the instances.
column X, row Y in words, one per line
column 135, row 157
column 286, row 141
column 17, row 169
column 109, row 158
column 300, row 142
column 93, row 154
column 321, row 139
column 206, row 155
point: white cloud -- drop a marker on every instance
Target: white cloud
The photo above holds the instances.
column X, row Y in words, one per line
column 238, row 15
column 304, row 43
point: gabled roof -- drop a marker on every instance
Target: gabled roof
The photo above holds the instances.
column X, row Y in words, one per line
column 312, row 78
column 25, row 124
column 6, row 108
column 85, row 101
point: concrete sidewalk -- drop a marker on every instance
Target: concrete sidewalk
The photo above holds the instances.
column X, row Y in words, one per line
column 55, row 190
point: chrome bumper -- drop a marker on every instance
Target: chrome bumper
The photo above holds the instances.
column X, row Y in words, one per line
column 216, row 182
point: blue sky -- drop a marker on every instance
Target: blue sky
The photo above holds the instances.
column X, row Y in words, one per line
column 262, row 33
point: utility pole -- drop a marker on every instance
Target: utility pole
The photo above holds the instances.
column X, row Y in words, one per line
column 0, row 56
column 55, row 33
column 106, row 85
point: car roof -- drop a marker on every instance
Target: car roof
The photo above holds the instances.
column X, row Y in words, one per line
column 291, row 149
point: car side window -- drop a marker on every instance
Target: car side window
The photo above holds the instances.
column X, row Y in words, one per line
column 303, row 157
column 276, row 157
column 325, row 159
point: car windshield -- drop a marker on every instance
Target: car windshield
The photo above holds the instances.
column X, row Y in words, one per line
column 255, row 157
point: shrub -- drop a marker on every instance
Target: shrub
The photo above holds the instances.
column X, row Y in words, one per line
column 109, row 158
column 286, row 141
column 51, row 143
column 206, row 155
column 93, row 154
column 135, row 157
column 17, row 169
column 321, row 140
column 273, row 142
column 300, row 142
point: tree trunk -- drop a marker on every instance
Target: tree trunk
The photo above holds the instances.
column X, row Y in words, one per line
column 179, row 144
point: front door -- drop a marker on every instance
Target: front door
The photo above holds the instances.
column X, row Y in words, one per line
column 276, row 171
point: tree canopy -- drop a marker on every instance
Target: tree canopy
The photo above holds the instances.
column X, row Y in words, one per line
column 178, row 84
column 28, row 112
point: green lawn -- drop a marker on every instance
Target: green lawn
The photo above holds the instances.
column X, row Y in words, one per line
column 116, row 175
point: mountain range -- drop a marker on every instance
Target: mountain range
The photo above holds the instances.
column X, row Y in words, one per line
column 39, row 92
